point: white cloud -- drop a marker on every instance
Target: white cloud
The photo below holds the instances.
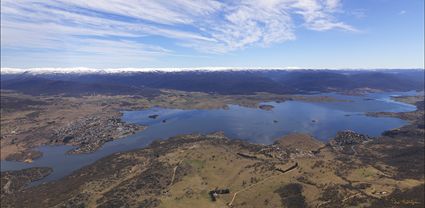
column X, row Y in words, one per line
column 206, row 25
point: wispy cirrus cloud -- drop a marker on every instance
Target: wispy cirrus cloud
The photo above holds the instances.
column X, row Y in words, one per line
column 112, row 28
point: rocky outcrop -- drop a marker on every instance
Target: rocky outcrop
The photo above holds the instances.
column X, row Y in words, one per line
column 344, row 138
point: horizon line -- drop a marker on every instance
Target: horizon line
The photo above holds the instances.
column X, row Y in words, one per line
column 13, row 70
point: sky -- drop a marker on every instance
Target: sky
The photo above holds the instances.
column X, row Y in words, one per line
column 208, row 33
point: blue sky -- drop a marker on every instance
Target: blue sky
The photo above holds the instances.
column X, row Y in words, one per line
column 198, row 33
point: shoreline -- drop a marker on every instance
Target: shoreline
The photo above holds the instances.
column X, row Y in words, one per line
column 165, row 139
column 103, row 107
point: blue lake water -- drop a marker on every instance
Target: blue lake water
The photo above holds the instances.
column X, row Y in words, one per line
column 320, row 119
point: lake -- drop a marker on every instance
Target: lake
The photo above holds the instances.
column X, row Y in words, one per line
column 320, row 119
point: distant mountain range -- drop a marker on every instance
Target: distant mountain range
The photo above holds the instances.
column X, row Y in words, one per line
column 85, row 70
column 220, row 81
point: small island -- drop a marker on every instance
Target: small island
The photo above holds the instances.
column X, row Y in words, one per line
column 266, row 107
column 154, row 116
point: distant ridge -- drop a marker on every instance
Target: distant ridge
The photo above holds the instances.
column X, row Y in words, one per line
column 86, row 70
column 148, row 81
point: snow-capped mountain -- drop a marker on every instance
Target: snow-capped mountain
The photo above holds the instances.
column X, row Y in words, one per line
column 86, row 70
